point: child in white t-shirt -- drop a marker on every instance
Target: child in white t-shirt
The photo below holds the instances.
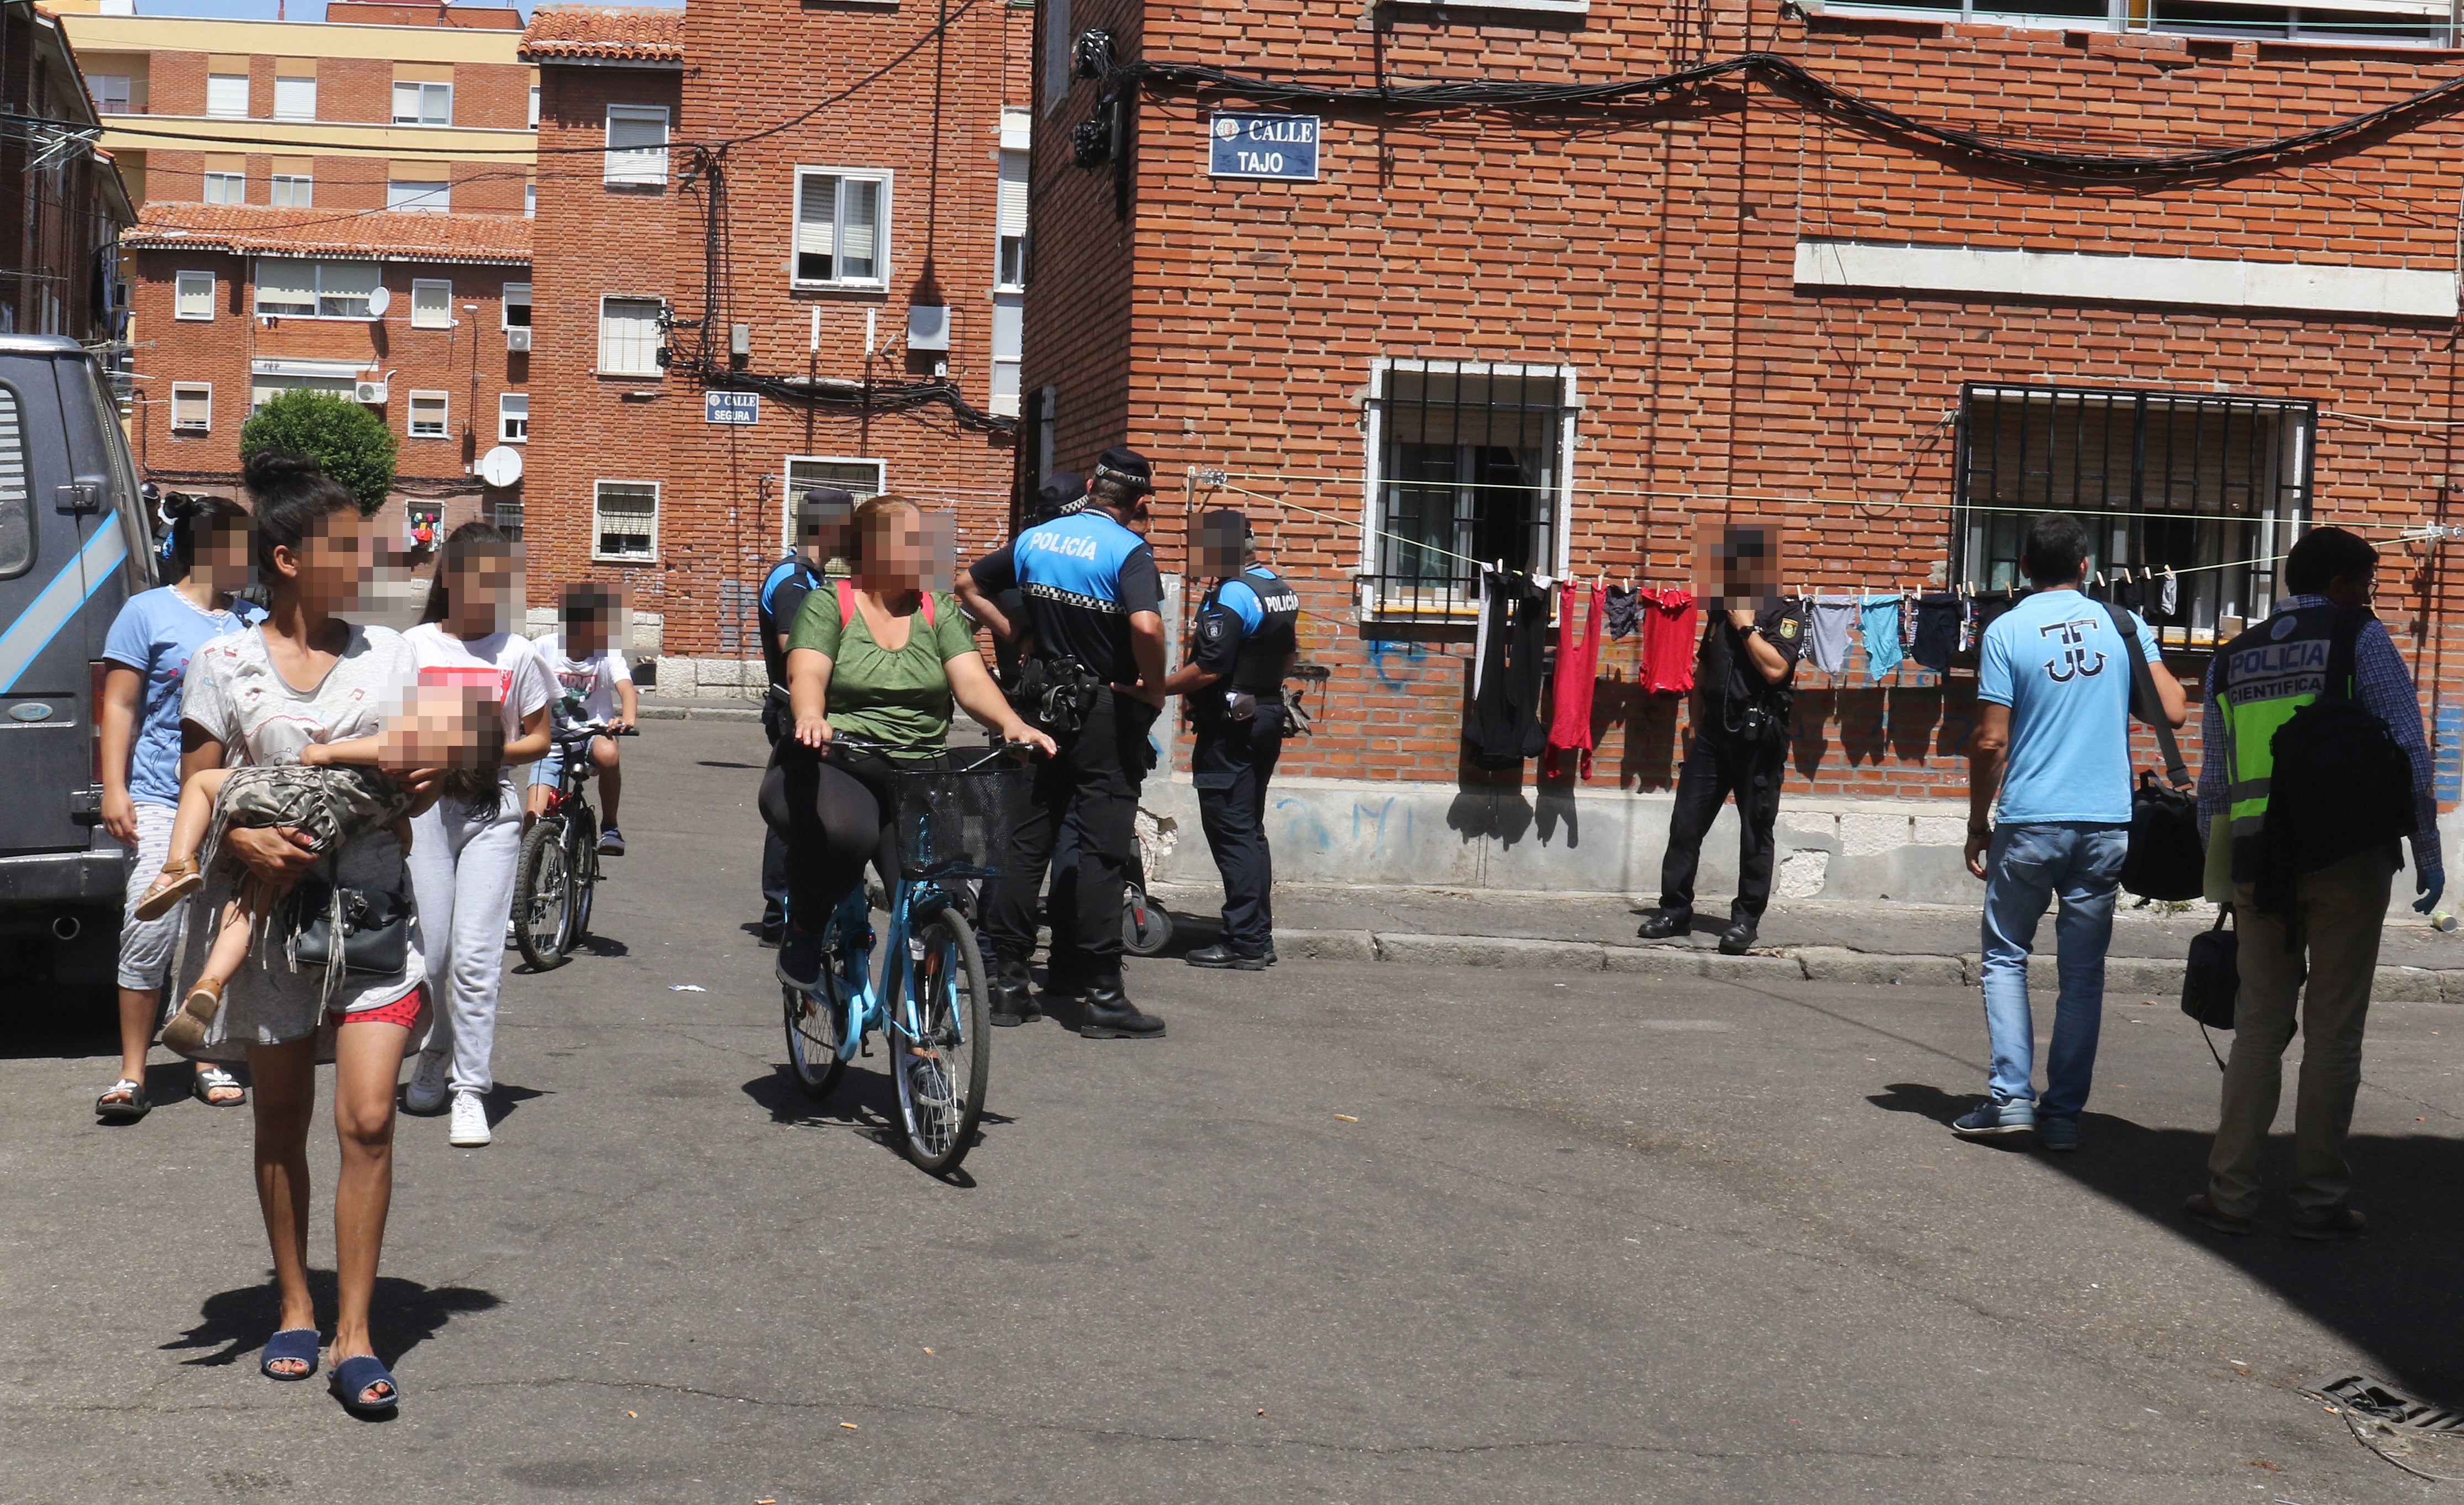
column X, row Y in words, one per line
column 593, row 685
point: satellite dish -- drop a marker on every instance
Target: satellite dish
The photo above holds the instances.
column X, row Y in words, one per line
column 501, row 466
column 380, row 301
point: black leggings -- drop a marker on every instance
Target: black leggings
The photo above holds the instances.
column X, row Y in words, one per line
column 835, row 813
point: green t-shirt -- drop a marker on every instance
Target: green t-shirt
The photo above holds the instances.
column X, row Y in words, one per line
column 875, row 693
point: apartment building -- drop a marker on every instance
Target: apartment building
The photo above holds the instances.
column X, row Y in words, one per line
column 339, row 205
column 788, row 251
column 1554, row 283
column 63, row 201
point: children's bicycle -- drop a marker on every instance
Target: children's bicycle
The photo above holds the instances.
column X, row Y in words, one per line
column 559, row 869
column 932, row 1001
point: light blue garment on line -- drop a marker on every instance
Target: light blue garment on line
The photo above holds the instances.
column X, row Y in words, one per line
column 1879, row 622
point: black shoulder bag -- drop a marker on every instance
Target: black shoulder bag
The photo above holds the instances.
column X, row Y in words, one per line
column 2212, row 979
column 2166, row 859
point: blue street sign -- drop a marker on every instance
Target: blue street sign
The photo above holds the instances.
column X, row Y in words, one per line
column 731, row 407
column 1277, row 147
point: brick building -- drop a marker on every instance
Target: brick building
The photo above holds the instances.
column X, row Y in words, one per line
column 1892, row 276
column 63, row 201
column 811, row 221
column 287, row 171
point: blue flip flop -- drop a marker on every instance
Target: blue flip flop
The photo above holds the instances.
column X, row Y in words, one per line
column 292, row 1342
column 354, row 1377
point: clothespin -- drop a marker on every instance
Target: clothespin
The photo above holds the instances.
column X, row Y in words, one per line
column 2169, row 572
column 2099, row 577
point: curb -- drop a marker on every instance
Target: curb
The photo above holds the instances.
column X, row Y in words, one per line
column 725, row 711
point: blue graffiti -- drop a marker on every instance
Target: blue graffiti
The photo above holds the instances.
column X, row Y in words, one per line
column 1380, row 814
column 1378, row 648
column 1316, row 830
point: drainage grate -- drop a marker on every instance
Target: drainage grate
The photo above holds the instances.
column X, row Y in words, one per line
column 2376, row 1401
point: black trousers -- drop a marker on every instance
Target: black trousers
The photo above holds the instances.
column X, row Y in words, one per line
column 775, row 725
column 1715, row 769
column 1094, row 783
column 1229, row 765
column 833, row 814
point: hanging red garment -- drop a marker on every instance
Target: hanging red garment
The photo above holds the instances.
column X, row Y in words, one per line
column 1669, row 641
column 1578, row 670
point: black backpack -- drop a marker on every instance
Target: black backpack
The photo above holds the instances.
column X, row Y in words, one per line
column 2340, row 784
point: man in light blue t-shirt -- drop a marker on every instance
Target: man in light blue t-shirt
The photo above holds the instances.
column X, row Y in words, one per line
column 2052, row 736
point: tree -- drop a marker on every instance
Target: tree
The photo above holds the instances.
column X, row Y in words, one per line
column 351, row 441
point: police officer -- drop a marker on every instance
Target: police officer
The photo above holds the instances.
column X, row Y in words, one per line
column 822, row 516
column 1093, row 677
column 1233, row 687
column 1742, row 686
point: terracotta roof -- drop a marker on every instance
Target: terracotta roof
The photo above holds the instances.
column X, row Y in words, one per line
column 494, row 239
column 631, row 34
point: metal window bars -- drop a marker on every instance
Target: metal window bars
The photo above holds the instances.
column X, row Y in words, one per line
column 2213, row 487
column 1469, row 470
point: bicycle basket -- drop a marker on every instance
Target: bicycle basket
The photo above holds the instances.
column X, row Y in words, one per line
column 959, row 823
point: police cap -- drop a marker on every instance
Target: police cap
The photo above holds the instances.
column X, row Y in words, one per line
column 1063, row 494
column 1127, row 466
column 823, row 504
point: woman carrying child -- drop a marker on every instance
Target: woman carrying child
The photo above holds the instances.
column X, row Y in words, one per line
column 206, row 555
column 465, row 848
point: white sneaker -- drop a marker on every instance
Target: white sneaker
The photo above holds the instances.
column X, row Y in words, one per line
column 426, row 1092
column 470, row 1128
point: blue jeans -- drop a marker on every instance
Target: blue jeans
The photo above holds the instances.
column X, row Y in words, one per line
column 2079, row 862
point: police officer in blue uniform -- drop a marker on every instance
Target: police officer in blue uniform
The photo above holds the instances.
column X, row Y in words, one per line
column 1233, row 687
column 1093, row 677
column 822, row 518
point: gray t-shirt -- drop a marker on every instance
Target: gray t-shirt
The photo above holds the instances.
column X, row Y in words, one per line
column 237, row 697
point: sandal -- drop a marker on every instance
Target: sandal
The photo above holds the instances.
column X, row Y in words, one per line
column 214, row 1079
column 356, row 1377
column 298, row 1344
column 185, row 1034
column 175, row 883
column 131, row 1107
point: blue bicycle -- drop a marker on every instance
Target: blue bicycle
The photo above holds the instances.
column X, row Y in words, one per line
column 932, row 1001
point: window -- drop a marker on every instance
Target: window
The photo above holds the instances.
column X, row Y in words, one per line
column 421, row 103
column 627, row 522
column 226, row 187
column 514, row 418
column 857, row 477
column 431, row 304
column 263, row 388
column 226, row 93
column 428, row 415
column 518, row 306
column 295, row 289
column 507, row 515
column 637, row 143
column 1009, row 267
column 192, row 296
column 535, row 89
column 2211, row 487
column 293, row 190
column 1009, row 340
column 628, row 336
column 1046, row 428
column 530, row 200
column 192, row 406
column 428, row 197
column 1057, row 46
column 1466, row 465
column 841, row 228
column 111, row 92
column 16, row 517
column 2421, row 23
column 295, row 99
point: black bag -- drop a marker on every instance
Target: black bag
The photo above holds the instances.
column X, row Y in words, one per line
column 375, row 928
column 2339, row 782
column 2213, row 976
column 2165, row 859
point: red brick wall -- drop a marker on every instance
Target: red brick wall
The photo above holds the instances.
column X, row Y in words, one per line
column 1652, row 250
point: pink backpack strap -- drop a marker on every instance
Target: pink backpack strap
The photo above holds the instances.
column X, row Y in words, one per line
column 847, row 605
column 926, row 597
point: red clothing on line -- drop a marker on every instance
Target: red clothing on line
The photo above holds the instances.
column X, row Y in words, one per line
column 1669, row 641
column 1578, row 670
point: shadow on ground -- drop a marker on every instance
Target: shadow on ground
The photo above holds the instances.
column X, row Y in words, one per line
column 403, row 1315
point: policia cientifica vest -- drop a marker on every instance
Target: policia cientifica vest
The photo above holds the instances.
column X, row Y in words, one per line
column 2268, row 673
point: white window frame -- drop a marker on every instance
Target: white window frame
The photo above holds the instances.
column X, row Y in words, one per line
column 193, row 390
column 598, row 499
column 435, row 196
column 635, row 166
column 181, row 284
column 222, row 188
column 104, row 94
column 444, row 401
column 1011, row 362
column 226, row 80
column 506, row 420
column 443, row 316
column 257, row 289
column 516, row 295
column 791, row 490
column 2413, row 23
column 650, row 364
column 420, row 116
column 294, row 85
column 535, row 102
column 881, row 217
column 530, row 200
column 1003, row 259
column 291, row 191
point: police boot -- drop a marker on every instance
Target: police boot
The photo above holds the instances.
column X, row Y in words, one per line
column 1223, row 957
column 1109, row 1014
column 1013, row 995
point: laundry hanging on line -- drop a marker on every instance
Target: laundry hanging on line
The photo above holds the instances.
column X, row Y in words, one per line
column 1579, row 625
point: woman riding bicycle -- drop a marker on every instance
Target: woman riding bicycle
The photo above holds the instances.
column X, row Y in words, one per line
column 879, row 659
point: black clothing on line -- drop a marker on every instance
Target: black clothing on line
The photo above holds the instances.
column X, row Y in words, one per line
column 1506, row 705
column 1622, row 606
column 836, row 811
column 1093, row 783
column 1229, row 765
column 1717, row 766
column 1938, row 616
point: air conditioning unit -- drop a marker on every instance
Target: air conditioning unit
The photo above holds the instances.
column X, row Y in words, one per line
column 371, row 393
column 518, row 340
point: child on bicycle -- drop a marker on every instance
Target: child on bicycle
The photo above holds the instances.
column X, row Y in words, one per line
column 593, row 685
column 337, row 793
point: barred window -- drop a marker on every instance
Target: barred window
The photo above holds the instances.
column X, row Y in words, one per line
column 627, row 522
column 1466, row 467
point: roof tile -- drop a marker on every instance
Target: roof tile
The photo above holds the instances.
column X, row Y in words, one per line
column 628, row 34
column 501, row 239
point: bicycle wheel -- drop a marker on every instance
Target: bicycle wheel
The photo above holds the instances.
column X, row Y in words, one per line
column 543, row 897
column 941, row 1066
column 581, row 860
column 813, row 1031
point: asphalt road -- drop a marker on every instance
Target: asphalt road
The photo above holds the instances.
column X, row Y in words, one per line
column 1353, row 1233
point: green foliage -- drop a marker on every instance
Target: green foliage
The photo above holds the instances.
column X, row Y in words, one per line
column 354, row 443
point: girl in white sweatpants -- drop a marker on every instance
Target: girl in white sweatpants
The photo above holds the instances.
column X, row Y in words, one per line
column 464, row 849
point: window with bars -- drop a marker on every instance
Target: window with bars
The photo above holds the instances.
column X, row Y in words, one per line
column 637, row 146
column 628, row 336
column 1466, row 467
column 2208, row 486
column 625, row 522
column 859, row 478
column 841, row 228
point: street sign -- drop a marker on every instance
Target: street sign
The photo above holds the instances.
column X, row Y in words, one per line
column 731, row 407
column 1275, row 147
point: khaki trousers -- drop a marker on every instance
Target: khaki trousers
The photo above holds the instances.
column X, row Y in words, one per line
column 2340, row 910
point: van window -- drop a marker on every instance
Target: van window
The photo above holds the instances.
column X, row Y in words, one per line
column 16, row 517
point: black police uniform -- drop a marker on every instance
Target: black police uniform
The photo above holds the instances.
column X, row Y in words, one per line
column 782, row 595
column 1740, row 748
column 1247, row 631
